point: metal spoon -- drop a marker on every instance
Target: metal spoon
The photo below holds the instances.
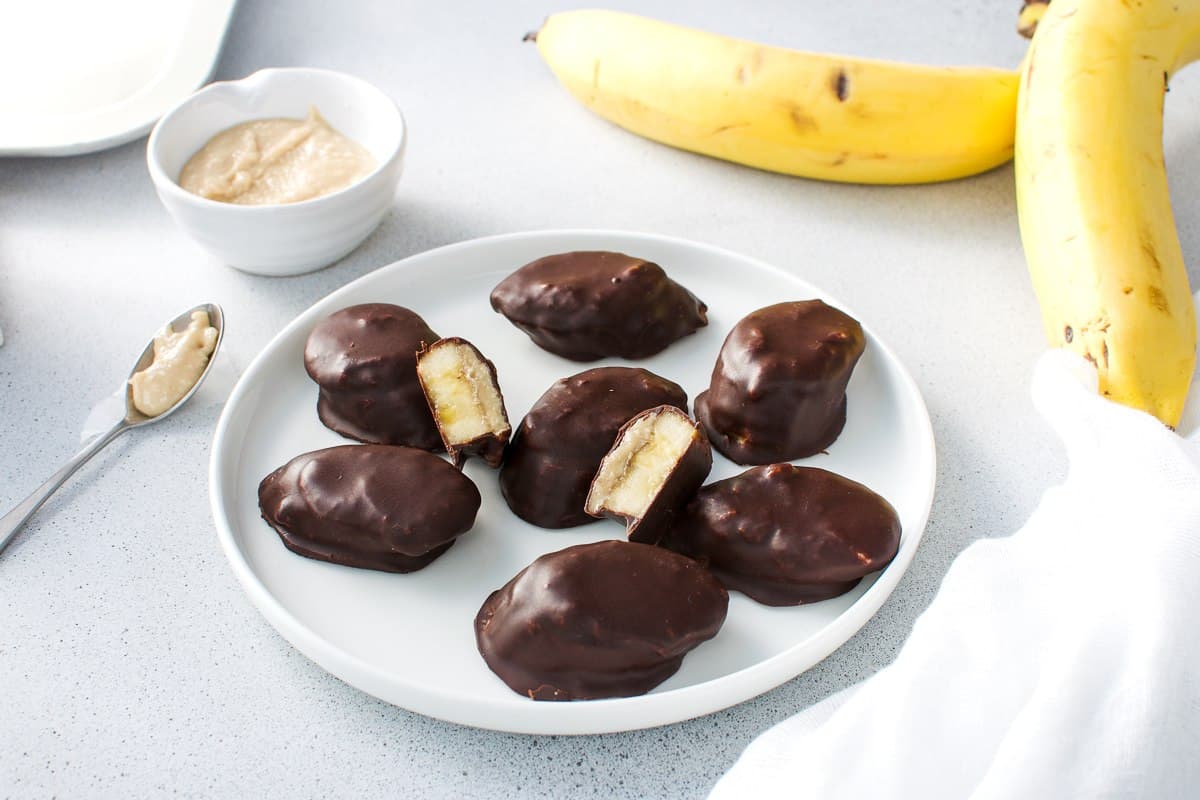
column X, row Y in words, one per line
column 11, row 522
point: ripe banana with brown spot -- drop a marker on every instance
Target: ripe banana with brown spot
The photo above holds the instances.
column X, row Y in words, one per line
column 820, row 116
column 1092, row 194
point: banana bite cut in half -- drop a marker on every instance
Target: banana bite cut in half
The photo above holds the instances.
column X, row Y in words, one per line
column 658, row 462
column 465, row 399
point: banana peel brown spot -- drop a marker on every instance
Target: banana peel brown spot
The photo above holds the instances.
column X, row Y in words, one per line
column 802, row 121
column 1147, row 244
column 731, row 126
column 749, row 68
column 1068, row 334
column 840, row 84
column 1029, row 71
column 1159, row 300
column 860, row 110
column 632, row 107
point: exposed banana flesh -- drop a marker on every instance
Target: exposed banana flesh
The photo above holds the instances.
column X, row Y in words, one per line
column 1092, row 194
column 819, row 116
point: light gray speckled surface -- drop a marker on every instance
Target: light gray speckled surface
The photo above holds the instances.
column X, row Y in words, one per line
column 130, row 661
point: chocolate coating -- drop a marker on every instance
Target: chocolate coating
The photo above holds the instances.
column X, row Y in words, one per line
column 610, row 619
column 778, row 390
column 380, row 507
column 786, row 535
column 364, row 358
column 557, row 448
column 591, row 304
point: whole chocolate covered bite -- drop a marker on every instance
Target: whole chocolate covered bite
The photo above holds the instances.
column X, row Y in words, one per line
column 364, row 359
column 610, row 619
column 786, row 535
column 591, row 304
column 557, row 448
column 778, row 390
column 658, row 461
column 380, row 507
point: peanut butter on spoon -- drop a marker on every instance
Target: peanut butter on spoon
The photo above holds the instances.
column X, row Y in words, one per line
column 180, row 358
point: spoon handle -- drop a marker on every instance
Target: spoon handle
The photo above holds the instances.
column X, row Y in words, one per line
column 11, row 522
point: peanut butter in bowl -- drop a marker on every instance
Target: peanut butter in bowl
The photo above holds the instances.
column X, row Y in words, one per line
column 253, row 172
column 276, row 161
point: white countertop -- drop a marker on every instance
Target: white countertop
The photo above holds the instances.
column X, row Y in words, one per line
column 133, row 665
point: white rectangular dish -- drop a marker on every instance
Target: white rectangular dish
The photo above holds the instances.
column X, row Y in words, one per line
column 86, row 76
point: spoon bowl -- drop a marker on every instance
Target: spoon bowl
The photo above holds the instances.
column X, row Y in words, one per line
column 216, row 319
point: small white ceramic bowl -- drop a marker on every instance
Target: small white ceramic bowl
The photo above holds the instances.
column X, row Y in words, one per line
column 291, row 238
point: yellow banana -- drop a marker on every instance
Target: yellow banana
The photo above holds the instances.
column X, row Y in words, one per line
column 1092, row 195
column 819, row 116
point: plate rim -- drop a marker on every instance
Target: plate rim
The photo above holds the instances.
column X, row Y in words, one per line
column 595, row 716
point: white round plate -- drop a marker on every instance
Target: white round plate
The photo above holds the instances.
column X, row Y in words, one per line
column 409, row 639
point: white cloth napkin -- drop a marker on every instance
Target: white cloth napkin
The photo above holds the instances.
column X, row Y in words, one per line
column 1060, row 662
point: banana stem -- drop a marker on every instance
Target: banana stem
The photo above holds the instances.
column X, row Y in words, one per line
column 1031, row 14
